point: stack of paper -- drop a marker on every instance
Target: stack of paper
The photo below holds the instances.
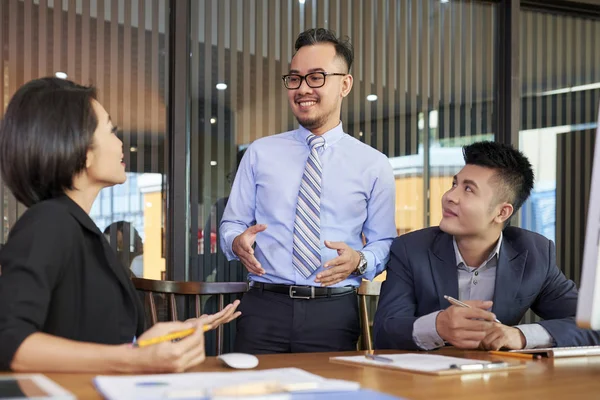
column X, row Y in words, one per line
column 433, row 364
column 219, row 385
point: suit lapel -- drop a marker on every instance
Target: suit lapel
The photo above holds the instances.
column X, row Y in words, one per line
column 443, row 267
column 509, row 274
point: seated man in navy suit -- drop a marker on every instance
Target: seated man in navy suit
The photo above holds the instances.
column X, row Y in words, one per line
column 472, row 256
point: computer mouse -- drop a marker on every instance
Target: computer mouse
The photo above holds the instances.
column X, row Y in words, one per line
column 239, row 360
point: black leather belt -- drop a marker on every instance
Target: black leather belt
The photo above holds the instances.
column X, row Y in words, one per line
column 303, row 292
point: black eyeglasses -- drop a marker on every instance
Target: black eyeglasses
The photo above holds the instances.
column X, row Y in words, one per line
column 313, row 80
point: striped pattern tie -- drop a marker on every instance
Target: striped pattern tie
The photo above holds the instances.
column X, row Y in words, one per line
column 307, row 226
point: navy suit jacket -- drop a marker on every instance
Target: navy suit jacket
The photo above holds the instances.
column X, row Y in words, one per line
column 422, row 269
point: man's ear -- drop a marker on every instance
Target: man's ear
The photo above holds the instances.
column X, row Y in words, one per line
column 504, row 213
column 347, row 82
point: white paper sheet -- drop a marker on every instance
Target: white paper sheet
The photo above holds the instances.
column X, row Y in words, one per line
column 414, row 362
column 198, row 384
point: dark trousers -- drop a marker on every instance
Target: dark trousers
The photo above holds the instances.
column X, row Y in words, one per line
column 275, row 323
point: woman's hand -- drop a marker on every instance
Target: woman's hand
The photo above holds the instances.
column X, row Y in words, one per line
column 171, row 356
column 224, row 316
column 184, row 354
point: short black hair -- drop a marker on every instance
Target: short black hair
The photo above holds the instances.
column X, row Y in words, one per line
column 513, row 169
column 343, row 47
column 45, row 134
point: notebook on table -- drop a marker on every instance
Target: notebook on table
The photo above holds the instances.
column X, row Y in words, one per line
column 431, row 364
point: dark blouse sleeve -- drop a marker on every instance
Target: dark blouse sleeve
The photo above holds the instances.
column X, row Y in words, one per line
column 32, row 262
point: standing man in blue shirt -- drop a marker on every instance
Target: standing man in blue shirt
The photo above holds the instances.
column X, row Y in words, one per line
column 299, row 207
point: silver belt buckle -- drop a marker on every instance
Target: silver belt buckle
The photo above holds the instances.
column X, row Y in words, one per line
column 294, row 296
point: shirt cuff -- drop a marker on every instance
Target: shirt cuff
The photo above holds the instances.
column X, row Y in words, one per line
column 425, row 334
column 227, row 244
column 536, row 336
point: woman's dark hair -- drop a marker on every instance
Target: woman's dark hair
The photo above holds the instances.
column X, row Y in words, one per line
column 46, row 132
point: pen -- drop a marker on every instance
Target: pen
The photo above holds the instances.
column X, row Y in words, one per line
column 378, row 358
column 151, row 384
column 479, row 366
column 459, row 303
column 517, row 355
column 170, row 336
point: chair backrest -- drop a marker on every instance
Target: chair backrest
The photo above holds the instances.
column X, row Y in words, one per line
column 197, row 289
column 366, row 288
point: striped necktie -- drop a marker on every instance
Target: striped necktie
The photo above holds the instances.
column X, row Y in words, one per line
column 307, row 226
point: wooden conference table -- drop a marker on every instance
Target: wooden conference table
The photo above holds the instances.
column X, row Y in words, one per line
column 542, row 379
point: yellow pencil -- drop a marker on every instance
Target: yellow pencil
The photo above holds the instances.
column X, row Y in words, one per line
column 170, row 336
column 516, row 355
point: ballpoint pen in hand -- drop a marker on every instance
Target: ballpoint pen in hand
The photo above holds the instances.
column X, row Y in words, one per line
column 459, row 303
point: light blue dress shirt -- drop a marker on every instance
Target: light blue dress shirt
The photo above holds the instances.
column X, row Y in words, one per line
column 476, row 284
column 358, row 196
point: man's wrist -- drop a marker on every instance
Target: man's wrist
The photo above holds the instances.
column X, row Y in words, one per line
column 234, row 243
column 361, row 265
column 522, row 339
column 232, row 249
column 437, row 317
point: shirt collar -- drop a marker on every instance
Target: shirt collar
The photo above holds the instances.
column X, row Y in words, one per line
column 331, row 136
column 460, row 260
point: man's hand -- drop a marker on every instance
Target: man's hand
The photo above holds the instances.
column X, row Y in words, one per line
column 502, row 336
column 465, row 328
column 339, row 268
column 242, row 247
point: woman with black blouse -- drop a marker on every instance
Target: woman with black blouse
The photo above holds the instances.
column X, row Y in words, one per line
column 66, row 304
